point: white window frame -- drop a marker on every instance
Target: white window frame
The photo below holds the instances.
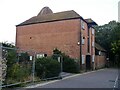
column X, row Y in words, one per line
column 40, row 55
column 82, row 25
column 93, row 44
column 83, row 40
column 31, row 58
column 93, row 31
column 93, row 58
column 83, row 59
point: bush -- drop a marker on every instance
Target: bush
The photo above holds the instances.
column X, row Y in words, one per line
column 17, row 73
column 69, row 64
column 47, row 67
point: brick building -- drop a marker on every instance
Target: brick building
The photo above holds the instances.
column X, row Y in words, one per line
column 100, row 56
column 67, row 31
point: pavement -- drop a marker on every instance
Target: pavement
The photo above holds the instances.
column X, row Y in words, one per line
column 104, row 78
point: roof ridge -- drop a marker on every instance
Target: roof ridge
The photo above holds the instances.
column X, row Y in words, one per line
column 64, row 15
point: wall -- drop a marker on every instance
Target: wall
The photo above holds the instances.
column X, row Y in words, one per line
column 44, row 37
column 100, row 61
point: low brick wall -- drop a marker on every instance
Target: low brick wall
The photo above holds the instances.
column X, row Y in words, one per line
column 100, row 61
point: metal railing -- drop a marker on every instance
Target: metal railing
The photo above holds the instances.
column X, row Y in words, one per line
column 16, row 66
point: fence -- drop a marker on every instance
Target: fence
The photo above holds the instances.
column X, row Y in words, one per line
column 16, row 66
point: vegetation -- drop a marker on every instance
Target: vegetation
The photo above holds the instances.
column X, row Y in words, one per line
column 108, row 36
column 47, row 67
column 17, row 70
column 69, row 64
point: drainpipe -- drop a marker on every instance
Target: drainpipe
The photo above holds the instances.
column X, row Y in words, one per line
column 80, row 47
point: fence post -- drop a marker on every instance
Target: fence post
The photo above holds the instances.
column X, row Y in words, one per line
column 0, row 66
column 33, row 68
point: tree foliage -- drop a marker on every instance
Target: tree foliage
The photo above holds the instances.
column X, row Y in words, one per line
column 108, row 36
column 104, row 34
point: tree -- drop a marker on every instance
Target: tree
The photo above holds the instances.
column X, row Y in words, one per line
column 116, row 43
column 104, row 34
column 107, row 36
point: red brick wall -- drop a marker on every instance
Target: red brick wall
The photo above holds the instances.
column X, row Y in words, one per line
column 44, row 37
column 100, row 61
column 84, row 34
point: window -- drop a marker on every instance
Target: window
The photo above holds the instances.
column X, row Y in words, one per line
column 83, row 59
column 83, row 40
column 40, row 55
column 31, row 58
column 92, row 31
column 93, row 58
column 82, row 25
column 93, row 44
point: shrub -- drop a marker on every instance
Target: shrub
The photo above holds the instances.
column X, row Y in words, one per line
column 47, row 67
column 17, row 73
column 69, row 64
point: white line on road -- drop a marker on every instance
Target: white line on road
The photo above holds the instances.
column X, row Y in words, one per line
column 115, row 82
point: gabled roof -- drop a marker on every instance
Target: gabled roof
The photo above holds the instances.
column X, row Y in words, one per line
column 66, row 15
column 90, row 22
column 98, row 47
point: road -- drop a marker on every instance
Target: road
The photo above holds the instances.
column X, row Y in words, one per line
column 104, row 78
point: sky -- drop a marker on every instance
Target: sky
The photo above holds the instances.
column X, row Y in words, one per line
column 14, row 12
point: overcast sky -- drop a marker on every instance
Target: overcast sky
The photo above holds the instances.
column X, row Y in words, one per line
column 13, row 12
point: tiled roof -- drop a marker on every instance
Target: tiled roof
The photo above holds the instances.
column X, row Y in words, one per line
column 90, row 21
column 98, row 47
column 51, row 17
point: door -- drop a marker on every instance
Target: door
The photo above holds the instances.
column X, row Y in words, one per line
column 88, row 62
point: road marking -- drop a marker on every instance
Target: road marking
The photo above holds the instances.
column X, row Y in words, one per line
column 42, row 84
column 115, row 82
